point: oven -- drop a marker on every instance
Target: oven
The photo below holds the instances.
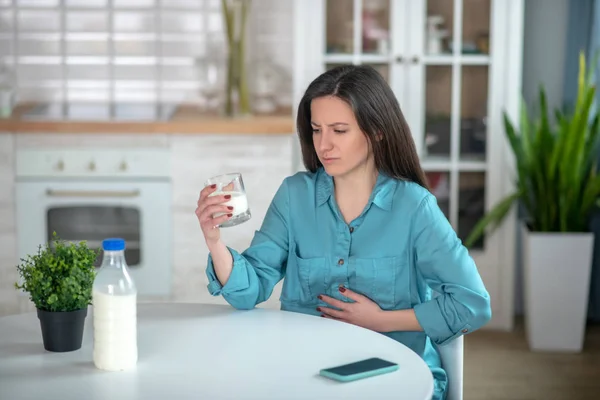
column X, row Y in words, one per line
column 90, row 195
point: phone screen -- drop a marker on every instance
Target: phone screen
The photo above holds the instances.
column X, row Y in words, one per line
column 360, row 366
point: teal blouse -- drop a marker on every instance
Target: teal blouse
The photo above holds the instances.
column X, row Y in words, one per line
column 399, row 250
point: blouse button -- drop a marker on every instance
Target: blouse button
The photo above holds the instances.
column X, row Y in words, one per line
column 351, row 229
column 465, row 330
column 341, row 261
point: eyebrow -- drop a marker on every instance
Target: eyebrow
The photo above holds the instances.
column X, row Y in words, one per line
column 333, row 124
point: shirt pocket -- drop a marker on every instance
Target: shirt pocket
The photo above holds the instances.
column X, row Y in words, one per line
column 386, row 281
column 311, row 276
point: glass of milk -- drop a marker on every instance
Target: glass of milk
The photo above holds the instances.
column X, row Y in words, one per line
column 233, row 185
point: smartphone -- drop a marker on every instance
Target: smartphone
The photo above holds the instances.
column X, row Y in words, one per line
column 359, row 370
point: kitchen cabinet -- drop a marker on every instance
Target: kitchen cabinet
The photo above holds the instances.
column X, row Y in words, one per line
column 263, row 159
column 455, row 67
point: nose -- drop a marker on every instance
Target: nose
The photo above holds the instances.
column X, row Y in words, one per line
column 325, row 142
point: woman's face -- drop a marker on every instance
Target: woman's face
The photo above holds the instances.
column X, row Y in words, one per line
column 341, row 146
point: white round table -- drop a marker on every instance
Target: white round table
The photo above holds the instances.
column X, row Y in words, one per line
column 200, row 351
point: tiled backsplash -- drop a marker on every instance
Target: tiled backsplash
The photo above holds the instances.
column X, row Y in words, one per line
column 137, row 50
column 264, row 162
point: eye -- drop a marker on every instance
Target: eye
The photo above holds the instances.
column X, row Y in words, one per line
column 339, row 131
column 315, row 130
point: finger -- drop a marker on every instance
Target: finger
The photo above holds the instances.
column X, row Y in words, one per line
column 209, row 212
column 333, row 302
column 217, row 199
column 228, row 187
column 331, row 312
column 219, row 220
column 205, row 212
column 351, row 295
column 211, row 223
column 206, row 191
column 330, row 317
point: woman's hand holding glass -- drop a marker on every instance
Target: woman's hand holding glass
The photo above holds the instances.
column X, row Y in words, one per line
column 211, row 213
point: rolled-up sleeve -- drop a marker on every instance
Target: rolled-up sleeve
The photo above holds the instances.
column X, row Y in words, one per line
column 463, row 303
column 259, row 268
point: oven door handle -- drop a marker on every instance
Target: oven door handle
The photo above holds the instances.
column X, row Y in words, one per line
column 92, row 193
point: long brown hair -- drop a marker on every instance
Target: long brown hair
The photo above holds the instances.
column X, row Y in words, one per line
column 377, row 112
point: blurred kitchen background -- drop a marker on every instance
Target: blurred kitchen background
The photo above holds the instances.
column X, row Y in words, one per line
column 138, row 52
column 115, row 112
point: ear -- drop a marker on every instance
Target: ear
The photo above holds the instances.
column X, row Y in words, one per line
column 379, row 136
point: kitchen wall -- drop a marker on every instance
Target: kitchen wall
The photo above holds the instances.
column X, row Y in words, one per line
column 265, row 162
column 9, row 302
column 266, row 159
column 139, row 50
column 544, row 47
column 544, row 50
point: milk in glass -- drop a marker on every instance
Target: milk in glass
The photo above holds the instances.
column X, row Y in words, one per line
column 231, row 184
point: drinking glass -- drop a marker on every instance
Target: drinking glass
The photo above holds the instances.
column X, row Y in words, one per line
column 231, row 184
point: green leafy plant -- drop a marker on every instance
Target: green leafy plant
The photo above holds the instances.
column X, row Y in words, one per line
column 59, row 277
column 557, row 181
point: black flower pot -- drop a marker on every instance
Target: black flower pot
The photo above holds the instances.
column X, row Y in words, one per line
column 62, row 331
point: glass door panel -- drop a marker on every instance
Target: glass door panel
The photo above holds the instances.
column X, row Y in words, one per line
column 86, row 3
column 87, row 21
column 133, row 3
column 339, row 27
column 439, row 27
column 332, row 66
column 454, row 113
column 474, row 107
column 6, row 21
column 438, row 109
column 376, row 27
column 476, row 27
column 439, row 184
column 471, row 204
column 37, row 3
column 383, row 69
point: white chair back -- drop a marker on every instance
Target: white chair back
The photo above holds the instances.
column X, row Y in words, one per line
column 452, row 355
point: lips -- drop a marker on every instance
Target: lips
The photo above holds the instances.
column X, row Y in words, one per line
column 328, row 160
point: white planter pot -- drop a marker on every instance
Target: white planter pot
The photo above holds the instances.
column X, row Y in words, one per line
column 557, row 268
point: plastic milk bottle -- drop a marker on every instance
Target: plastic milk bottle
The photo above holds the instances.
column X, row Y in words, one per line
column 114, row 299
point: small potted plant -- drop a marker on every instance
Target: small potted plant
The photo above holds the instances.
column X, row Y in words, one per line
column 59, row 281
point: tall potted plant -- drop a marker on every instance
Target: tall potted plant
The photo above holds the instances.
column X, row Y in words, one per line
column 59, row 281
column 558, row 186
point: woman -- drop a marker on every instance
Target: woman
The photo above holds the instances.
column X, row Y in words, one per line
column 358, row 237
